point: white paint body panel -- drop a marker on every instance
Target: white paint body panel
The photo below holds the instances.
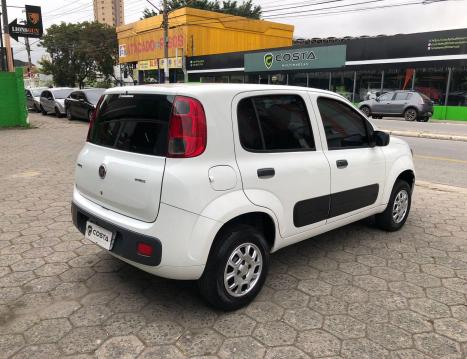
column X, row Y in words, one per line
column 192, row 208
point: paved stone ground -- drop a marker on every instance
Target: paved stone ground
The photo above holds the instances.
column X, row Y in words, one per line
column 353, row 293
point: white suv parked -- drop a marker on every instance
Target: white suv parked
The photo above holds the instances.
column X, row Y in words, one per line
column 203, row 182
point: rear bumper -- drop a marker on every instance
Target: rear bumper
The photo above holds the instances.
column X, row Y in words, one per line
column 125, row 241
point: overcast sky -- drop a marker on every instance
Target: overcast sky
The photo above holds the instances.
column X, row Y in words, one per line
column 309, row 21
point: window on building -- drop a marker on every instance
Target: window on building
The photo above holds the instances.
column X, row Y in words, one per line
column 297, row 79
column 432, row 82
column 397, row 79
column 368, row 85
column 278, row 79
column 274, row 123
column 458, row 90
column 251, row 79
column 236, row 79
column 342, row 83
column 319, row 80
column 344, row 127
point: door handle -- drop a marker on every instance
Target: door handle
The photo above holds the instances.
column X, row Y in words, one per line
column 266, row 172
column 342, row 163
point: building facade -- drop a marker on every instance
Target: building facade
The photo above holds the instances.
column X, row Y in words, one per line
column 193, row 32
column 433, row 63
column 110, row 12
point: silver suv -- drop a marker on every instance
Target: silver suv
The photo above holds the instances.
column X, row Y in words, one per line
column 408, row 104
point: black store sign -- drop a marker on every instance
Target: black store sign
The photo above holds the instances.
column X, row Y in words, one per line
column 33, row 26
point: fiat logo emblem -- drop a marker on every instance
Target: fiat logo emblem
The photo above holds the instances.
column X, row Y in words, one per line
column 102, row 171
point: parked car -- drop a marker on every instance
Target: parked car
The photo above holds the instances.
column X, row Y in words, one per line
column 408, row 104
column 33, row 96
column 53, row 100
column 82, row 103
column 203, row 182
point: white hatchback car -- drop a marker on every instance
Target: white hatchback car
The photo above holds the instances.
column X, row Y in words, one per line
column 203, row 182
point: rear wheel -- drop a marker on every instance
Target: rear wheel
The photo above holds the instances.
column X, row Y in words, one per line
column 236, row 269
column 366, row 110
column 397, row 211
column 410, row 114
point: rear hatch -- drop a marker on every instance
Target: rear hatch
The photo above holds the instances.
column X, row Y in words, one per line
column 122, row 165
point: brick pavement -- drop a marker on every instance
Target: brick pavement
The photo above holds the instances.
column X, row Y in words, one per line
column 356, row 292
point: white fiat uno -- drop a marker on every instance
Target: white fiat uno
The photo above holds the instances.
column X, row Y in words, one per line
column 204, row 181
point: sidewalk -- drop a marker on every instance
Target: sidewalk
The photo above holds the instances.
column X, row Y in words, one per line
column 454, row 131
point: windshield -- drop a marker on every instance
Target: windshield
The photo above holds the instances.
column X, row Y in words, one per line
column 36, row 92
column 94, row 95
column 61, row 94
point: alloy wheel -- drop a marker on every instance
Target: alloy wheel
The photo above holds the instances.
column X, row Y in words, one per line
column 399, row 208
column 243, row 269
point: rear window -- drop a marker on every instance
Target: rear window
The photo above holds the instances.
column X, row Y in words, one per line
column 274, row 123
column 134, row 123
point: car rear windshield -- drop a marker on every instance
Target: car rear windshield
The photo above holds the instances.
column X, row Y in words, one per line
column 134, row 123
column 61, row 94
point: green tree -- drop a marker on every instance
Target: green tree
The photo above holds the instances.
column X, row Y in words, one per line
column 232, row 7
column 78, row 53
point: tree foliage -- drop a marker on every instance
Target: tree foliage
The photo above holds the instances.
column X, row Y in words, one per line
column 79, row 52
column 232, row 7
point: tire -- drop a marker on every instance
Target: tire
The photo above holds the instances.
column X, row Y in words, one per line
column 44, row 112
column 35, row 108
column 57, row 112
column 366, row 110
column 389, row 220
column 215, row 279
column 410, row 114
column 69, row 116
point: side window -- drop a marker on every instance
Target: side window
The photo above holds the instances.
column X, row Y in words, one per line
column 409, row 95
column 45, row 94
column 400, row 96
column 386, row 96
column 343, row 126
column 274, row 123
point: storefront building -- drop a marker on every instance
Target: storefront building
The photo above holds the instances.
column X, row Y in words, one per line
column 433, row 63
column 192, row 32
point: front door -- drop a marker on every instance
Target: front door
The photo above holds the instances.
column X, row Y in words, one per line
column 281, row 161
column 383, row 105
column 357, row 167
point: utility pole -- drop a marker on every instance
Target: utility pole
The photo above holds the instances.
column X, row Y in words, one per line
column 28, row 49
column 6, row 32
column 2, row 56
column 165, row 20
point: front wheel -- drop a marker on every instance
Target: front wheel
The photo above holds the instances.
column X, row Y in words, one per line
column 366, row 110
column 410, row 114
column 397, row 211
column 43, row 111
column 57, row 112
column 236, row 269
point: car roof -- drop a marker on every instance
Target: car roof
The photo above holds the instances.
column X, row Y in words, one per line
column 196, row 89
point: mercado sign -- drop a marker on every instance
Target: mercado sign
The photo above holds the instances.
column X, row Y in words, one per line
column 138, row 46
column 305, row 58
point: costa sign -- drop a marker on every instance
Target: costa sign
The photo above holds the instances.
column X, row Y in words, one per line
column 151, row 45
column 296, row 59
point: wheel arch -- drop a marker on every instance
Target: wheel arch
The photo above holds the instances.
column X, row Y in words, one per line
column 401, row 169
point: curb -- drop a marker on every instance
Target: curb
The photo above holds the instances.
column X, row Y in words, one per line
column 434, row 136
column 440, row 187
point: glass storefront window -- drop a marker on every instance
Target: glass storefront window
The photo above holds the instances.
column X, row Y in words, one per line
column 278, row 79
column 251, row 79
column 319, row 80
column 397, row 79
column 458, row 89
column 264, row 79
column 368, row 85
column 236, row 79
column 342, row 83
column 432, row 82
column 297, row 79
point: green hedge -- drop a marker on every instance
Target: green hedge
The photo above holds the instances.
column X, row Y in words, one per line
column 13, row 111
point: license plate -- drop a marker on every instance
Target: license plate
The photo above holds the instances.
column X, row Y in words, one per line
column 101, row 236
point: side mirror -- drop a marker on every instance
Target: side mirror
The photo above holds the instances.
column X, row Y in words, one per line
column 381, row 138
column 377, row 99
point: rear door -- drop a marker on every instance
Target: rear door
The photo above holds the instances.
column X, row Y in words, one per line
column 280, row 158
column 122, row 165
column 400, row 102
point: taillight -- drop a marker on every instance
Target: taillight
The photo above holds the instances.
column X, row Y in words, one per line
column 93, row 118
column 187, row 128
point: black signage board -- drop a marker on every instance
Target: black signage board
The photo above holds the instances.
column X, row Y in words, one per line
column 33, row 26
column 428, row 47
